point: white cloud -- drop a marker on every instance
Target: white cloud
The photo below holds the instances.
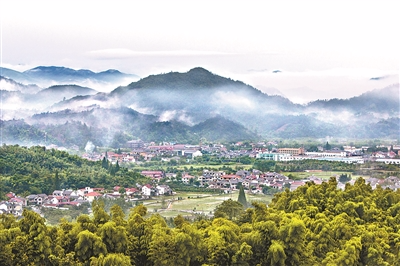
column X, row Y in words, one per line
column 233, row 100
column 167, row 116
column 143, row 110
column 304, row 86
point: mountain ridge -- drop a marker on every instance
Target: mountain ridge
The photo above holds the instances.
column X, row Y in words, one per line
column 173, row 106
column 45, row 76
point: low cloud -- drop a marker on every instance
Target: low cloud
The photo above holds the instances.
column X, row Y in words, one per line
column 5, row 85
column 143, row 110
column 185, row 118
column 233, row 100
column 167, row 116
column 177, row 115
column 305, row 86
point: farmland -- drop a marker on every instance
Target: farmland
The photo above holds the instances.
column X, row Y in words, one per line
column 191, row 204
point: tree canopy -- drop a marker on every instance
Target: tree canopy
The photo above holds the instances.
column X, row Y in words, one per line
column 38, row 170
column 313, row 225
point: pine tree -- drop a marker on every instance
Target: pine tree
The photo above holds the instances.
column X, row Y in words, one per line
column 104, row 163
column 242, row 197
column 57, row 181
column 328, row 146
column 117, row 167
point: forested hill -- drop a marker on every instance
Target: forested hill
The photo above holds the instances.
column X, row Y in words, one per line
column 36, row 170
column 385, row 101
column 179, row 104
column 314, row 225
column 198, row 78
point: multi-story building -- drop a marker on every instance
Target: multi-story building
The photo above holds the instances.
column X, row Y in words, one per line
column 292, row 151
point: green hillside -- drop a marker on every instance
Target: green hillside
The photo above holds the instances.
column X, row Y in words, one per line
column 36, row 170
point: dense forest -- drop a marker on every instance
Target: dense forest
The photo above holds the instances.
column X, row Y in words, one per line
column 36, row 170
column 313, row 225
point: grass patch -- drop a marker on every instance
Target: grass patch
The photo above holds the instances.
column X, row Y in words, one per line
column 194, row 166
column 196, row 203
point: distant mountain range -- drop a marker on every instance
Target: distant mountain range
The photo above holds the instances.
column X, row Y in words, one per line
column 192, row 106
column 45, row 76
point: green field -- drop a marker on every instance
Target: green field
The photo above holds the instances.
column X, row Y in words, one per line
column 193, row 204
column 323, row 175
column 194, row 166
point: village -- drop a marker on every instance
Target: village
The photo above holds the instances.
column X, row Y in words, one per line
column 253, row 181
column 140, row 152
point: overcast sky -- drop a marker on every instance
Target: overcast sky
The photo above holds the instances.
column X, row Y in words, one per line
column 324, row 49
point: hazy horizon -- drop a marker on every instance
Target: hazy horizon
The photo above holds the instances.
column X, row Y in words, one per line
column 322, row 50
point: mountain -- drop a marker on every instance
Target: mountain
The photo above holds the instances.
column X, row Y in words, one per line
column 15, row 75
column 59, row 93
column 190, row 106
column 45, row 76
column 195, row 96
column 21, row 101
column 68, row 75
column 198, row 95
column 8, row 84
column 219, row 128
column 383, row 101
column 114, row 127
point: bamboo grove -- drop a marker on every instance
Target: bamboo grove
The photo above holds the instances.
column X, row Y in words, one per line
column 313, row 225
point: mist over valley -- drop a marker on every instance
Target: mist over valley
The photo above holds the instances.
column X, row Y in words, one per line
column 53, row 105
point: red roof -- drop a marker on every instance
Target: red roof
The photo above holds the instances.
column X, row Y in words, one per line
column 10, row 195
column 93, row 194
column 15, row 199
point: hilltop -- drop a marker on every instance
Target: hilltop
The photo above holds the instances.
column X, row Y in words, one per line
column 189, row 106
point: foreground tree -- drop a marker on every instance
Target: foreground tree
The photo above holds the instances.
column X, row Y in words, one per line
column 229, row 209
column 89, row 245
column 313, row 225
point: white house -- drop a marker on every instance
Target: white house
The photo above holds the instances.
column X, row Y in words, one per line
column 91, row 196
column 163, row 189
column 186, row 178
column 146, row 190
column 3, row 207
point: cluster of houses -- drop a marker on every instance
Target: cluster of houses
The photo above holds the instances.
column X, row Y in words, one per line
column 140, row 151
column 67, row 197
column 389, row 157
column 252, row 181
